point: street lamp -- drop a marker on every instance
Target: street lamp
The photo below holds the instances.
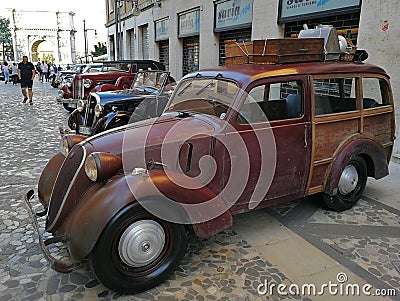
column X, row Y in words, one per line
column 85, row 30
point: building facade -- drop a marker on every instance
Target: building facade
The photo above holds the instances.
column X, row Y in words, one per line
column 192, row 34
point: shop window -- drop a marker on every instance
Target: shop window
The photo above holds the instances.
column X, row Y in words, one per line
column 191, row 51
column 164, row 53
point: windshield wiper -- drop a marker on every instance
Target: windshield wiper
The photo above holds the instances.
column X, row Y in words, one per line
column 205, row 87
column 184, row 89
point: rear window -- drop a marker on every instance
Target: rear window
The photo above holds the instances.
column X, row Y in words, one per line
column 375, row 92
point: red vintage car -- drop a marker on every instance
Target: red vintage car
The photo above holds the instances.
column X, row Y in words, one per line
column 114, row 75
column 233, row 139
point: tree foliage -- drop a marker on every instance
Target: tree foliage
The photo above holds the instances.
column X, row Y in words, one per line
column 99, row 49
column 6, row 39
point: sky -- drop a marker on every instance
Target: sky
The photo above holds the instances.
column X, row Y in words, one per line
column 93, row 11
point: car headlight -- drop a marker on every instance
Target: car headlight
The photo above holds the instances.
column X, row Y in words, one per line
column 87, row 83
column 97, row 110
column 101, row 166
column 60, row 94
column 80, row 105
column 68, row 142
column 67, row 82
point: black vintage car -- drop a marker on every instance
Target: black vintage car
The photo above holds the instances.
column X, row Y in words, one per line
column 146, row 98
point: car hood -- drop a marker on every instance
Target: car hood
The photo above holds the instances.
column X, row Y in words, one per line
column 141, row 142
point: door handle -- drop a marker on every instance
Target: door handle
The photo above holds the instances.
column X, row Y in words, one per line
column 305, row 136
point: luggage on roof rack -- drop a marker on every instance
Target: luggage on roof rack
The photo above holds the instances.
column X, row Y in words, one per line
column 275, row 51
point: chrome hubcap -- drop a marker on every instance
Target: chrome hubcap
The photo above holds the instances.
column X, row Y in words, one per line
column 348, row 180
column 141, row 243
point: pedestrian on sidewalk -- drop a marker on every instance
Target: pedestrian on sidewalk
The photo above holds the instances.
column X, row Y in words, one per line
column 14, row 73
column 6, row 72
column 26, row 75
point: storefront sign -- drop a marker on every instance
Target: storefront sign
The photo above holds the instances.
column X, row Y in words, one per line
column 162, row 29
column 189, row 23
column 297, row 9
column 233, row 14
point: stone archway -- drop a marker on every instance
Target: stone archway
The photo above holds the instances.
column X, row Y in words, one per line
column 57, row 28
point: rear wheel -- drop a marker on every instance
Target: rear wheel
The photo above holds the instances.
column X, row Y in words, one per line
column 137, row 251
column 350, row 187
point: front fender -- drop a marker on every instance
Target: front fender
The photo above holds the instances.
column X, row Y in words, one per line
column 85, row 224
column 365, row 146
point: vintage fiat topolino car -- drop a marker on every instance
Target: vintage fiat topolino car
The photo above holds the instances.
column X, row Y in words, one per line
column 114, row 75
column 106, row 110
column 232, row 139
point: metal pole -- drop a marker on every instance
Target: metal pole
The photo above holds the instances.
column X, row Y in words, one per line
column 116, row 29
column 85, row 36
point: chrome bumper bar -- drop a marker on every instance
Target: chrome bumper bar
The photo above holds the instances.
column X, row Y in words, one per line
column 57, row 264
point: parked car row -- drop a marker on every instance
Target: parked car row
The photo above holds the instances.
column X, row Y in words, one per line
column 230, row 139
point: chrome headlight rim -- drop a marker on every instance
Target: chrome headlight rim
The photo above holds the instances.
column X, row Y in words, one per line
column 91, row 167
column 100, row 166
column 87, row 83
column 98, row 109
column 68, row 142
column 80, row 106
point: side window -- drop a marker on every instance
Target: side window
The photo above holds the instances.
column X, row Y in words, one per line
column 275, row 101
column 334, row 95
column 375, row 92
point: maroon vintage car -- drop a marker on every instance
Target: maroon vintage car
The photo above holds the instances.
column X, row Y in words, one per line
column 233, row 139
column 114, row 75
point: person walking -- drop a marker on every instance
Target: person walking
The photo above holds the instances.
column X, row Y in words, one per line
column 26, row 75
column 44, row 68
column 6, row 72
column 14, row 72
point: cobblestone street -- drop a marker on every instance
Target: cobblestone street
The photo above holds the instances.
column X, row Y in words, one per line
column 298, row 242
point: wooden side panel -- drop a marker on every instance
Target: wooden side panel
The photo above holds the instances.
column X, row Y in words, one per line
column 379, row 126
column 328, row 136
column 329, row 133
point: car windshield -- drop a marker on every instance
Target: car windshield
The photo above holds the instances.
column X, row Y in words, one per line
column 116, row 67
column 204, row 95
column 149, row 82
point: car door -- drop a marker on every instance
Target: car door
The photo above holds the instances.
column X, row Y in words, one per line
column 274, row 124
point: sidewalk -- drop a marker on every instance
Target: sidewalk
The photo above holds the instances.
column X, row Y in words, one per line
column 308, row 263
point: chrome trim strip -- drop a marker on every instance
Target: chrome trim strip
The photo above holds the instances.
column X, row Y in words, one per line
column 68, row 190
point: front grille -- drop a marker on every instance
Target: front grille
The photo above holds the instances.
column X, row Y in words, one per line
column 89, row 114
column 64, row 180
column 77, row 88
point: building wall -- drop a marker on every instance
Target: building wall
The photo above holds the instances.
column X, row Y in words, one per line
column 383, row 46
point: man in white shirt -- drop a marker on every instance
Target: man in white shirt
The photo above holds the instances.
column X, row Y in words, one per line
column 44, row 69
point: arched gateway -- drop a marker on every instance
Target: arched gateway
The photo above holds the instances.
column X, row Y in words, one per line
column 31, row 28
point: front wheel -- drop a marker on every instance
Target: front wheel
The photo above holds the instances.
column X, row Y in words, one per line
column 350, row 187
column 137, row 251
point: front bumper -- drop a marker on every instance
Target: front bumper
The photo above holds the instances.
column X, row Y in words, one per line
column 59, row 265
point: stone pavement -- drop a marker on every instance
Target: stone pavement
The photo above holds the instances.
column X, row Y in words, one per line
column 292, row 244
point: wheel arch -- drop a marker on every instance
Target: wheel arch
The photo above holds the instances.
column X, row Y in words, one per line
column 365, row 146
